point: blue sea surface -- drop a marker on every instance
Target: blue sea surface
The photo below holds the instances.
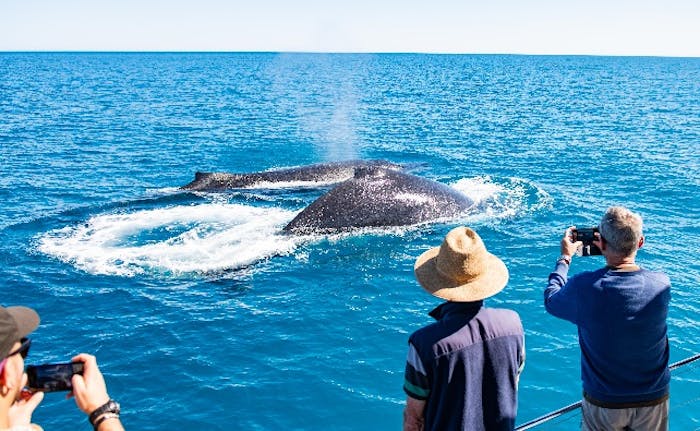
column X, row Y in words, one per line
column 204, row 316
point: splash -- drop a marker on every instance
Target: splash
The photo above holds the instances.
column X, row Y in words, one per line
column 218, row 235
column 500, row 199
column 182, row 239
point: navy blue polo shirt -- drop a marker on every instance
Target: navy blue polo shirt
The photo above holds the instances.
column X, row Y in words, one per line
column 466, row 367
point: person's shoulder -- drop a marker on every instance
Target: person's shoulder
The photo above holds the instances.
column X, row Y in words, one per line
column 503, row 312
column 657, row 277
column 424, row 331
column 504, row 317
column 652, row 272
column 425, row 337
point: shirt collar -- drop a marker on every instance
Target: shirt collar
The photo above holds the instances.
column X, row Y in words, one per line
column 447, row 308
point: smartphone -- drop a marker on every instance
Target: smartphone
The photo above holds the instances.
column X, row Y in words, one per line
column 53, row 377
column 587, row 236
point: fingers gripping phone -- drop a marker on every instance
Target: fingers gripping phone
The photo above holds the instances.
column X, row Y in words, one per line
column 53, row 377
column 587, row 236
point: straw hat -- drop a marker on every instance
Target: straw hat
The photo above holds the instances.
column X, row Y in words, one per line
column 461, row 269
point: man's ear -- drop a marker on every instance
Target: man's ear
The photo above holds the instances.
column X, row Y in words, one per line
column 8, row 376
column 603, row 244
column 4, row 390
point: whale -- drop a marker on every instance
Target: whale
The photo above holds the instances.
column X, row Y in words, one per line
column 379, row 197
column 324, row 173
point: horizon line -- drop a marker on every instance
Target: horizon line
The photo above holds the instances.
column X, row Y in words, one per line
column 132, row 51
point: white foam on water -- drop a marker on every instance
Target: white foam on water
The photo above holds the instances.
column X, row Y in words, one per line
column 181, row 239
column 503, row 198
column 219, row 236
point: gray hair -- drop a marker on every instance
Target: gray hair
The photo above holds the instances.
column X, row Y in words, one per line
column 621, row 229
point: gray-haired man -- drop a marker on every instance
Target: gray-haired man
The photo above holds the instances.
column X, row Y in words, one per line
column 620, row 311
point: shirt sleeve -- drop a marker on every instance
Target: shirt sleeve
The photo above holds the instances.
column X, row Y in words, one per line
column 416, row 384
column 560, row 294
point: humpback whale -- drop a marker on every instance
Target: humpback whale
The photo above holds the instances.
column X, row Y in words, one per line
column 319, row 173
column 376, row 197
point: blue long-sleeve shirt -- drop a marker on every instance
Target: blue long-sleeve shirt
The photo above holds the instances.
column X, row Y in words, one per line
column 621, row 319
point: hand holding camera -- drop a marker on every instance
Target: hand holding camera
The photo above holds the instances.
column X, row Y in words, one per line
column 581, row 242
column 568, row 245
column 89, row 388
column 83, row 378
column 587, row 236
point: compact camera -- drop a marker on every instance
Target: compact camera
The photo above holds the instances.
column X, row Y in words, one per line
column 53, row 377
column 586, row 236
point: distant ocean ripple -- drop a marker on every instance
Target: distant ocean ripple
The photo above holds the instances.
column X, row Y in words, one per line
column 195, row 304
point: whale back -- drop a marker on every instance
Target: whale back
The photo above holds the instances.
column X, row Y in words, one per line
column 213, row 181
column 319, row 173
column 379, row 197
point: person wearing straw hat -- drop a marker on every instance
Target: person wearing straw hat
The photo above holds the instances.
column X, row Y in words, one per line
column 462, row 370
column 17, row 405
column 620, row 312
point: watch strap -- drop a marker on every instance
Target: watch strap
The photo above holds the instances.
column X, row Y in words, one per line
column 111, row 407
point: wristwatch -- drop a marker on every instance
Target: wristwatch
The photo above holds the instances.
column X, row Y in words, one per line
column 564, row 258
column 108, row 410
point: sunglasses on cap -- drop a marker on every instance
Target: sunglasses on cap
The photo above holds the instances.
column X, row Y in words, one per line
column 23, row 350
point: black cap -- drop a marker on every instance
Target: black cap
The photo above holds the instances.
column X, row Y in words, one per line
column 15, row 324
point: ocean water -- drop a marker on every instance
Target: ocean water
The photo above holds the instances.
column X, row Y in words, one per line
column 204, row 316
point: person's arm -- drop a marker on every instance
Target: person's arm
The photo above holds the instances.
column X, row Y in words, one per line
column 417, row 387
column 521, row 363
column 90, row 392
column 559, row 297
column 413, row 414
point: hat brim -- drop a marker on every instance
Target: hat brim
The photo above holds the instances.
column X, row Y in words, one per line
column 27, row 319
column 492, row 281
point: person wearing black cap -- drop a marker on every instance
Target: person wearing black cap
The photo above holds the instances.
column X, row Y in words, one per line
column 16, row 408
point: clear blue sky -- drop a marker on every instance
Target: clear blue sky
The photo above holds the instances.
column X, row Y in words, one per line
column 599, row 27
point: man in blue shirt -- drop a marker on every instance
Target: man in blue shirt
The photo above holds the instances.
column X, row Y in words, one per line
column 462, row 370
column 620, row 311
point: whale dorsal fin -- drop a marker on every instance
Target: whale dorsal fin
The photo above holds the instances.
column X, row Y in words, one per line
column 199, row 175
